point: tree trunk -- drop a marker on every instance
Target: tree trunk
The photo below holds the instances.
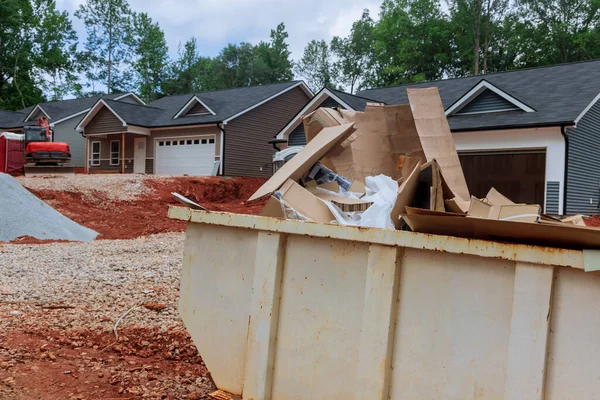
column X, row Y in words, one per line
column 477, row 36
column 487, row 37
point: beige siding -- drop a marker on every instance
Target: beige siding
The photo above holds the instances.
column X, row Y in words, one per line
column 247, row 150
column 104, row 122
column 212, row 131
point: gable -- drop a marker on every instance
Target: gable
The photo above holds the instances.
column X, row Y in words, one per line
column 104, row 122
column 197, row 109
column 487, row 101
column 37, row 113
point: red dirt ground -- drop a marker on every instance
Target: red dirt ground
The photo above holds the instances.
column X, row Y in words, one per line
column 49, row 365
column 147, row 215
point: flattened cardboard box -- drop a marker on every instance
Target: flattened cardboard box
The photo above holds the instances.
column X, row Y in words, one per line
column 305, row 202
column 553, row 235
column 296, row 167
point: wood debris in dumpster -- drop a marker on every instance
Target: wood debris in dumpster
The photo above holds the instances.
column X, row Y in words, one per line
column 396, row 167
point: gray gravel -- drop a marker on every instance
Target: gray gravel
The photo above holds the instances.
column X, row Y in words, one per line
column 101, row 280
column 23, row 214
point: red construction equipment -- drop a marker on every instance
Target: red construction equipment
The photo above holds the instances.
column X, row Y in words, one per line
column 41, row 153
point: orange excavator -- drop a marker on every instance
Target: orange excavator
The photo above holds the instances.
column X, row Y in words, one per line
column 42, row 154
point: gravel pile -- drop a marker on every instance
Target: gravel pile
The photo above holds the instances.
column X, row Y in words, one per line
column 90, row 285
column 23, row 214
column 114, row 187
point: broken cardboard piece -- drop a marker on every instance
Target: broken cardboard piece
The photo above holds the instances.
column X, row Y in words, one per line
column 498, row 199
column 296, row 167
column 346, row 204
column 406, row 194
column 273, row 209
column 516, row 212
column 555, row 235
column 435, row 136
column 457, row 205
column 305, row 203
column 574, row 220
column 479, row 208
column 422, row 211
column 321, row 118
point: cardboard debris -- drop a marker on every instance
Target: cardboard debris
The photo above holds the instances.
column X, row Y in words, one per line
column 305, row 203
column 319, row 119
column 296, row 167
column 346, row 204
column 574, row 220
column 273, row 208
column 406, row 192
column 557, row 235
column 498, row 199
column 516, row 212
column 436, row 138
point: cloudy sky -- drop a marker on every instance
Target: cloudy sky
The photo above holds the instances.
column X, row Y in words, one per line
column 215, row 23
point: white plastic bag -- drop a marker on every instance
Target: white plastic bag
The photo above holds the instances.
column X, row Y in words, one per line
column 382, row 191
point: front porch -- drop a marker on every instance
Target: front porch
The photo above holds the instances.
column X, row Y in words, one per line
column 123, row 153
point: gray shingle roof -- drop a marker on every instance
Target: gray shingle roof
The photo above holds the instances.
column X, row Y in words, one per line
column 557, row 93
column 225, row 103
column 355, row 101
column 11, row 119
column 134, row 114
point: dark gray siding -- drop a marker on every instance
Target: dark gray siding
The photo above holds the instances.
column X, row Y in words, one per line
column 487, row 101
column 297, row 137
column 583, row 175
column 65, row 132
column 552, row 197
column 197, row 109
column 247, row 151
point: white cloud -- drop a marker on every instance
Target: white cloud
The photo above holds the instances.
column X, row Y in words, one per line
column 216, row 23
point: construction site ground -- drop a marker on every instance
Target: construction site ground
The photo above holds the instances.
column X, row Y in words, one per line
column 60, row 302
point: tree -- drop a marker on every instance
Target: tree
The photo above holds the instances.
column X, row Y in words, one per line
column 36, row 47
column 274, row 58
column 411, row 43
column 353, row 52
column 316, row 65
column 107, row 23
column 149, row 46
column 190, row 73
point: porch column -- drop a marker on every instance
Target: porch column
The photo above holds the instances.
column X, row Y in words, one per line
column 87, row 155
column 122, row 152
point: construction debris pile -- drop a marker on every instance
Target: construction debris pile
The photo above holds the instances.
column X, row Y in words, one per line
column 396, row 167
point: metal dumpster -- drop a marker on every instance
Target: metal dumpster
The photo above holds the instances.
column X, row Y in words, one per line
column 283, row 309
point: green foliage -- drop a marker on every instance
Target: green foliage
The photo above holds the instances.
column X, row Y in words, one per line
column 107, row 24
column 316, row 66
column 149, row 46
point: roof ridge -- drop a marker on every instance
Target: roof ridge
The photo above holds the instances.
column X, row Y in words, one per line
column 354, row 95
column 242, row 87
column 482, row 76
column 134, row 104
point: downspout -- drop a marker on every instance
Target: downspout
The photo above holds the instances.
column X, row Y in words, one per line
column 222, row 154
column 564, row 134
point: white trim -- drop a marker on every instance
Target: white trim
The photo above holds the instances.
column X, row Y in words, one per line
column 33, row 112
column 92, row 113
column 92, row 161
column 69, row 117
column 199, row 136
column 189, row 105
column 172, row 127
column 133, row 95
column 585, row 110
column 301, row 84
column 477, row 90
column 488, row 112
column 294, row 122
column 111, row 152
column 138, row 130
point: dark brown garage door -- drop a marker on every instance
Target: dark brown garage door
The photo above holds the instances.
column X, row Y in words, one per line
column 518, row 175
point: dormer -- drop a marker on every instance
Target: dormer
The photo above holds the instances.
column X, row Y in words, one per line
column 486, row 98
column 36, row 112
column 194, row 108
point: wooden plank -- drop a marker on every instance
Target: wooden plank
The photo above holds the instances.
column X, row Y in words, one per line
column 528, row 341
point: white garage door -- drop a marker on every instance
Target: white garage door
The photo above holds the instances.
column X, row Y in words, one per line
column 191, row 156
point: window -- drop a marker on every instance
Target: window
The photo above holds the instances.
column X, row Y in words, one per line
column 95, row 154
column 174, row 142
column 211, row 141
column 203, row 141
column 161, row 143
column 168, row 143
column 189, row 142
column 115, row 152
column 182, row 142
column 196, row 141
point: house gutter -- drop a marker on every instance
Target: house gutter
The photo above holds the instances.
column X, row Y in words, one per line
column 563, row 132
column 222, row 153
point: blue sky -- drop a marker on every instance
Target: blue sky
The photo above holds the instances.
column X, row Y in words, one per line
column 216, row 23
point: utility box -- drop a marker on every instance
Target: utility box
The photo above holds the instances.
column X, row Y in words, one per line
column 284, row 309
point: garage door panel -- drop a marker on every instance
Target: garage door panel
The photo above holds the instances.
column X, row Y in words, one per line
column 191, row 156
column 518, row 175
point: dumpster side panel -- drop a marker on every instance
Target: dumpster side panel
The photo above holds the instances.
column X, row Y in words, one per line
column 574, row 345
column 453, row 327
column 320, row 315
column 216, row 285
